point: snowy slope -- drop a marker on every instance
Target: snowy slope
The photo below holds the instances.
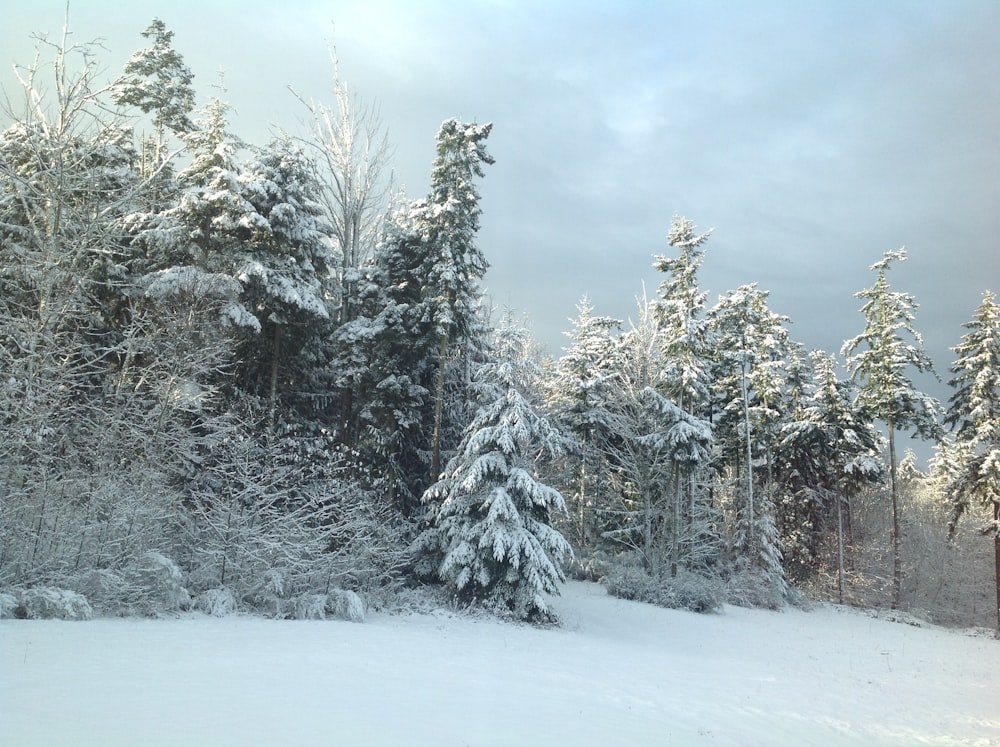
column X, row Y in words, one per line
column 616, row 673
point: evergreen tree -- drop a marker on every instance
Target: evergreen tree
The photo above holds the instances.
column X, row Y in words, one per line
column 686, row 339
column 446, row 224
column 974, row 414
column 158, row 82
column 680, row 311
column 879, row 359
column 383, row 359
column 582, row 388
column 829, row 452
column 205, row 226
column 491, row 537
column 753, row 346
column 654, row 441
column 286, row 265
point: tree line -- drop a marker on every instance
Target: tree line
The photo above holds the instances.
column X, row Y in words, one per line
column 252, row 376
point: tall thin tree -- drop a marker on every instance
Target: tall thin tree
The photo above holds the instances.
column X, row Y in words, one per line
column 880, row 359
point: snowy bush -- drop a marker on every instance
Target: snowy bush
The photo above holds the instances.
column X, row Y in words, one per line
column 107, row 591
column 631, row 582
column 46, row 602
column 311, row 607
column 755, row 588
column 8, row 603
column 346, row 605
column 217, row 602
column 589, row 565
column 160, row 582
column 269, row 594
column 687, row 590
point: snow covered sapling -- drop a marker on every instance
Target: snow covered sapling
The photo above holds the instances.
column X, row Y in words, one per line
column 491, row 538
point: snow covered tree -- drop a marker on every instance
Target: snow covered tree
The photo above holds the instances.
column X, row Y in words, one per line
column 446, row 223
column 685, row 332
column 654, row 441
column 752, row 346
column 158, row 82
column 879, row 359
column 205, row 225
column 580, row 394
column 383, row 365
column 352, row 152
column 829, row 451
column 491, row 537
column 686, row 340
column 286, row 264
column 974, row 414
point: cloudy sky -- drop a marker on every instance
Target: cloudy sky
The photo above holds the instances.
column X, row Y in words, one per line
column 812, row 136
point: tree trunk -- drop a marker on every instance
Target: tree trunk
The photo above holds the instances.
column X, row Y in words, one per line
column 751, row 533
column 996, row 556
column 273, row 394
column 840, row 550
column 438, row 412
column 897, row 569
column 675, row 549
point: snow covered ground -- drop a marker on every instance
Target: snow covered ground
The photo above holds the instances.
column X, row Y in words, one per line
column 616, row 673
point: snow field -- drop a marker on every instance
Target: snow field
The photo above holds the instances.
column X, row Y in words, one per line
column 615, row 673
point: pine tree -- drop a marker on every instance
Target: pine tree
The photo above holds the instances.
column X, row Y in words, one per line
column 974, row 414
column 158, row 82
column 384, row 365
column 879, row 359
column 491, row 537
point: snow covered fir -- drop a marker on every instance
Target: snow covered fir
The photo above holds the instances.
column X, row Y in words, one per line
column 242, row 384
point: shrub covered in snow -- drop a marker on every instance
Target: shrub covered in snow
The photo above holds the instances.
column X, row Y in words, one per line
column 686, row 590
column 47, row 602
column 346, row 605
column 8, row 603
column 161, row 584
column 217, row 602
column 311, row 607
column 755, row 588
column 108, row 592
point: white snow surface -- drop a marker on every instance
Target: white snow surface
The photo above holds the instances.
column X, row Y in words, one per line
column 615, row 673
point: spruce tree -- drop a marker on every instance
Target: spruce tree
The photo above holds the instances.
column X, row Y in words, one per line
column 491, row 537
column 286, row 264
